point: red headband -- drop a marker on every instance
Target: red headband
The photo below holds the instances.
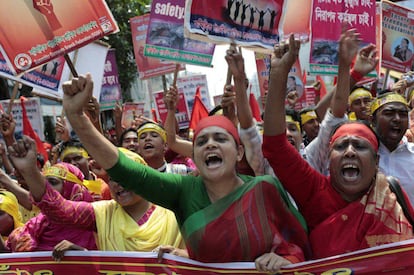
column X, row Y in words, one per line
column 219, row 121
column 356, row 129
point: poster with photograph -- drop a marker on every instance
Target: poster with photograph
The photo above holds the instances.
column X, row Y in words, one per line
column 252, row 23
column 397, row 37
column 165, row 36
column 147, row 67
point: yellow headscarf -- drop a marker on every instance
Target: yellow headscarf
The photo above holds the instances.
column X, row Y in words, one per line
column 10, row 205
column 306, row 116
column 117, row 231
column 289, row 119
column 61, row 173
column 388, row 98
column 358, row 93
column 152, row 127
column 73, row 150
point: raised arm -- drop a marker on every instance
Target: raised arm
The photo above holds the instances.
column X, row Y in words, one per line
column 348, row 48
column 77, row 94
column 178, row 145
column 282, row 60
column 236, row 64
column 23, row 156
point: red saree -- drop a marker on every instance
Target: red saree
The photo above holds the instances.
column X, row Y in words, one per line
column 375, row 219
column 247, row 223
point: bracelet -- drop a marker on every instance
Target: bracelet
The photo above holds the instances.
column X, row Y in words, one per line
column 357, row 76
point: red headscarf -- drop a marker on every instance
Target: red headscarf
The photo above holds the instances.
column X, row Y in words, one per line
column 356, row 129
column 218, row 121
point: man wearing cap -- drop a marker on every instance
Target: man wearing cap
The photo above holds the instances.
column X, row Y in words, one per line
column 152, row 145
column 310, row 124
column 359, row 102
column 390, row 121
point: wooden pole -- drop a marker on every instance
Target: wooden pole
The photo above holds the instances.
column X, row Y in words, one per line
column 71, row 66
column 13, row 96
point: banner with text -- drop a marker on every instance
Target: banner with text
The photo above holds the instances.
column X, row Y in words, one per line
column 393, row 259
column 328, row 17
column 131, row 110
column 34, row 113
column 48, row 29
column 111, row 90
column 46, row 80
column 165, row 36
column 182, row 114
column 188, row 85
column 397, row 37
column 147, row 67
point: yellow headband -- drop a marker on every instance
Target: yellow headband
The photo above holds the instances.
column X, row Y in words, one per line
column 309, row 115
column 9, row 204
column 134, row 156
column 152, row 127
column 290, row 119
column 61, row 173
column 391, row 97
column 358, row 93
column 73, row 150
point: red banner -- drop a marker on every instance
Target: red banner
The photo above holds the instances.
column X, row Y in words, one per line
column 328, row 18
column 392, row 259
column 35, row 32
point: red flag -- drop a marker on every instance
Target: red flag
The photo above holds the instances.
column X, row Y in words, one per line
column 199, row 110
column 28, row 130
column 254, row 106
column 304, row 78
column 154, row 114
column 322, row 91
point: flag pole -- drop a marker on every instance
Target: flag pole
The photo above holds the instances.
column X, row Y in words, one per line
column 13, row 96
column 71, row 66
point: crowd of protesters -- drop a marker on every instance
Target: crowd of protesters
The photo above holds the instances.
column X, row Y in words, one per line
column 299, row 186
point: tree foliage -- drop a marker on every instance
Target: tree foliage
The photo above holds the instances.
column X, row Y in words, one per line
column 122, row 11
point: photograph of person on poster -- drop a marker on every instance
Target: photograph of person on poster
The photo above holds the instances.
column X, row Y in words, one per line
column 404, row 50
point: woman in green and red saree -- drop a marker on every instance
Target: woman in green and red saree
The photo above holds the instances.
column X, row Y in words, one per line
column 223, row 216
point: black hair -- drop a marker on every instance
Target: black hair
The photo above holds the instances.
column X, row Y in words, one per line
column 70, row 143
column 293, row 113
column 121, row 138
column 406, row 40
column 306, row 109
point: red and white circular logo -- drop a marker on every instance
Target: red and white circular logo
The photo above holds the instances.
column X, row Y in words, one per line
column 22, row 61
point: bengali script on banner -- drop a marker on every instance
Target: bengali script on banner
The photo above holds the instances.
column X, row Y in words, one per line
column 147, row 67
column 328, row 18
column 165, row 36
column 56, row 28
column 391, row 259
